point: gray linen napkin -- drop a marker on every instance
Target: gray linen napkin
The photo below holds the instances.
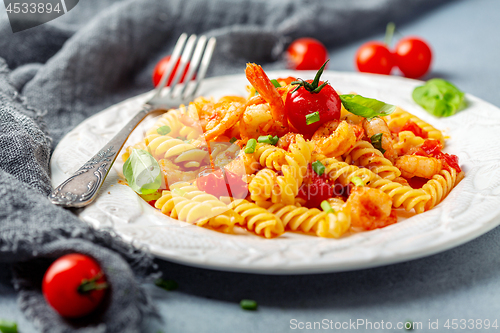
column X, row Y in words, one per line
column 57, row 74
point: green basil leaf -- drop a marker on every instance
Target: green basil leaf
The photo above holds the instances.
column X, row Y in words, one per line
column 439, row 97
column 376, row 141
column 142, row 172
column 366, row 107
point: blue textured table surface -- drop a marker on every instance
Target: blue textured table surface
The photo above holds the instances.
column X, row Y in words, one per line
column 462, row 283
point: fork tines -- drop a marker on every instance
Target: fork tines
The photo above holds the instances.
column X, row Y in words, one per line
column 198, row 59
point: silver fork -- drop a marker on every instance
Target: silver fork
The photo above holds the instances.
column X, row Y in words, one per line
column 82, row 187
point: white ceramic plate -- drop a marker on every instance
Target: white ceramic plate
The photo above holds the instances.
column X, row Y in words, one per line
column 469, row 211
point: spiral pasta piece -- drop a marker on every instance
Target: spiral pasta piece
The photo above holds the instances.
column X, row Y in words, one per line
column 402, row 195
column 170, row 119
column 257, row 219
column 407, row 140
column 270, row 156
column 441, row 185
column 343, row 172
column 364, row 154
column 337, row 223
column 185, row 154
column 268, row 185
column 187, row 203
column 299, row 156
column 399, row 117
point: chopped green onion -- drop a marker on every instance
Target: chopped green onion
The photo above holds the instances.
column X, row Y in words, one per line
column 357, row 181
column 269, row 139
column 250, row 148
column 265, row 139
column 275, row 83
column 164, row 130
column 233, row 140
column 376, row 141
column 325, row 205
column 248, row 304
column 312, row 118
column 318, row 167
column 166, row 284
column 7, row 326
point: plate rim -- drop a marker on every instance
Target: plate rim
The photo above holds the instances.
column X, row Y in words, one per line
column 314, row 268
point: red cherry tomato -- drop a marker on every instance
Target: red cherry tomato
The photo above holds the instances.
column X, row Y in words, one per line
column 412, row 127
column 413, row 56
column 306, row 54
column 214, row 183
column 316, row 191
column 302, row 102
column 433, row 148
column 161, row 66
column 374, row 57
column 74, row 285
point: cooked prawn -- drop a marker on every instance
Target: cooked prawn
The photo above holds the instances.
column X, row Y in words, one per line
column 287, row 139
column 376, row 126
column 226, row 115
column 370, row 208
column 255, row 119
column 418, row 166
column 333, row 138
column 259, row 80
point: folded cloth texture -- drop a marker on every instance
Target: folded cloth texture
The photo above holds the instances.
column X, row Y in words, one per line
column 55, row 75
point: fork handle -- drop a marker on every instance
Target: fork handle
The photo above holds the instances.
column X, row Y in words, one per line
column 82, row 187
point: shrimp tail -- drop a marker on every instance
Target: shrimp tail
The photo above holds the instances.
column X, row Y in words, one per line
column 260, row 81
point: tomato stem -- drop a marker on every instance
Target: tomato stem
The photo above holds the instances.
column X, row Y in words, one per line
column 313, row 86
column 91, row 284
column 389, row 33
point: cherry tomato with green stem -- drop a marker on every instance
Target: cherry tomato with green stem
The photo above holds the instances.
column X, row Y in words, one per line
column 311, row 104
column 162, row 65
column 375, row 57
column 74, row 285
column 306, row 54
column 413, row 56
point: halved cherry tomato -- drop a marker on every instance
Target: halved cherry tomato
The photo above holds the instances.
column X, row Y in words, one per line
column 374, row 57
column 415, row 129
column 74, row 285
column 433, row 148
column 413, row 56
column 315, row 189
column 214, row 183
column 161, row 66
column 306, row 54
